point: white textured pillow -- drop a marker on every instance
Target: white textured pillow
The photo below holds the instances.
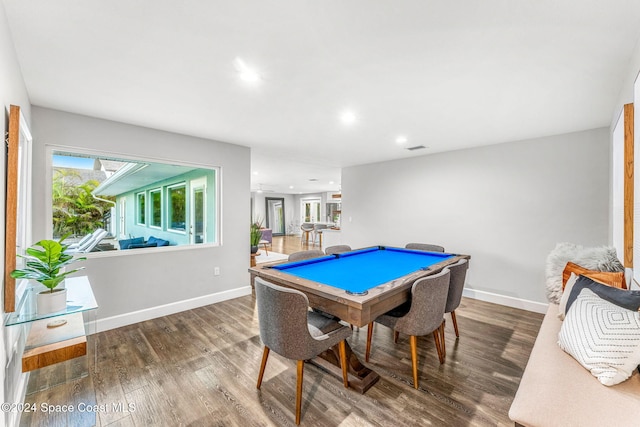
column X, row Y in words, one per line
column 562, row 307
column 602, row 337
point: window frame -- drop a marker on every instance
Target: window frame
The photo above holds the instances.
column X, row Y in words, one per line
column 152, row 209
column 141, row 210
column 169, row 211
column 217, row 200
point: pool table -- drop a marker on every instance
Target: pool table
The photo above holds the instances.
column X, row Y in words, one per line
column 357, row 286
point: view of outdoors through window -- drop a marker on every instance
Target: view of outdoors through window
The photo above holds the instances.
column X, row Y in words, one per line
column 103, row 203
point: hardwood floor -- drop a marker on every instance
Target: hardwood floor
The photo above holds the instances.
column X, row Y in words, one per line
column 200, row 367
column 290, row 244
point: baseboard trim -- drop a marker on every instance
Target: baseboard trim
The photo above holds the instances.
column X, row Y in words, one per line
column 522, row 304
column 176, row 307
column 167, row 309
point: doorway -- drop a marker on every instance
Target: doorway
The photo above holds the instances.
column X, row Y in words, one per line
column 310, row 210
column 275, row 215
column 197, row 229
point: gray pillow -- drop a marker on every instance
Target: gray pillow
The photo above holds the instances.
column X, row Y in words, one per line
column 601, row 258
column 620, row 297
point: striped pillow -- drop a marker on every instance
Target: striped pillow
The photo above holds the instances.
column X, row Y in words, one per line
column 602, row 337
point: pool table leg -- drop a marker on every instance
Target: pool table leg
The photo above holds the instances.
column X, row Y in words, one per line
column 360, row 377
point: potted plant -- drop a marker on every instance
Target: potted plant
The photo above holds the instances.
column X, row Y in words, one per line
column 256, row 235
column 47, row 266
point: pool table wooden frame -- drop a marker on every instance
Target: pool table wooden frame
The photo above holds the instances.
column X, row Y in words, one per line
column 358, row 310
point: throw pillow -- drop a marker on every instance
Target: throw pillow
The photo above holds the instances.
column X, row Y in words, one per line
column 562, row 307
column 603, row 337
column 124, row 244
column 623, row 298
column 158, row 242
column 615, row 279
column 601, row 258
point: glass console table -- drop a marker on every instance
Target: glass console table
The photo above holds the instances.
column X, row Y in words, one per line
column 79, row 299
column 58, row 337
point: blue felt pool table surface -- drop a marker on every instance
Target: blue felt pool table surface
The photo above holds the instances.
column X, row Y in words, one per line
column 360, row 270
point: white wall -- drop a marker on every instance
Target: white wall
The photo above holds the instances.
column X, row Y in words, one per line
column 625, row 96
column 506, row 205
column 145, row 280
column 12, row 91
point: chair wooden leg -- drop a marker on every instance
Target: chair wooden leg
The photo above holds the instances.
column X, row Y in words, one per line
column 414, row 359
column 343, row 363
column 443, row 345
column 396, row 334
column 369, row 336
column 436, row 338
column 455, row 323
column 299, row 390
column 265, row 356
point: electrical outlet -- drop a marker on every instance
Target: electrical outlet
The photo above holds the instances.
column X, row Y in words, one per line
column 216, row 271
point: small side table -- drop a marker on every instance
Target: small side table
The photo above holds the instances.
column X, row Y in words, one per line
column 253, row 259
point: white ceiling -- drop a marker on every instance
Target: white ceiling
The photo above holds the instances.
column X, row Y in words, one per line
column 447, row 74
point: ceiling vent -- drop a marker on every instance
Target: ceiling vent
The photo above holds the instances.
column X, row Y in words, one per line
column 417, row 147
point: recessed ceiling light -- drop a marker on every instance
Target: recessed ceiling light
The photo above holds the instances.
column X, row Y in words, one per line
column 246, row 73
column 259, row 191
column 291, row 187
column 331, row 182
column 401, row 139
column 348, row 117
column 255, row 172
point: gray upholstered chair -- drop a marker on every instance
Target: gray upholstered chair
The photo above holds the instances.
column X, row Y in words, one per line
column 337, row 249
column 302, row 255
column 424, row 247
column 456, row 285
column 289, row 329
column 422, row 316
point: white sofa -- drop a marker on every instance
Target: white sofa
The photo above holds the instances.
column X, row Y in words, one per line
column 556, row 390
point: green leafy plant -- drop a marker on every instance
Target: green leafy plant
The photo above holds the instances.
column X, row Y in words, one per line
column 75, row 209
column 256, row 233
column 43, row 265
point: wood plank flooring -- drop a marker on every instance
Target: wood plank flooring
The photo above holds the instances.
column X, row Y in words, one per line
column 199, row 368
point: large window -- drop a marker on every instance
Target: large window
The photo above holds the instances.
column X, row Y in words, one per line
column 175, row 204
column 156, row 207
column 177, row 212
column 141, row 208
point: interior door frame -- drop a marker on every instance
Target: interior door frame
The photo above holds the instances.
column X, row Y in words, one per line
column 268, row 219
column 195, row 185
column 17, row 199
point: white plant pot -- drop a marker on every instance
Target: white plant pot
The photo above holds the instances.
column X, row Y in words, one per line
column 50, row 302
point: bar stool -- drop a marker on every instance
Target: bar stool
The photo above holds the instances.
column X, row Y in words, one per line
column 317, row 233
column 306, row 228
